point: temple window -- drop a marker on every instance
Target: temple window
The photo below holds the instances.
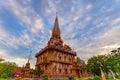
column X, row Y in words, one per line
column 45, row 67
column 70, row 71
column 65, row 71
column 41, row 59
column 59, row 70
column 59, row 57
column 65, row 58
column 55, row 69
column 70, row 59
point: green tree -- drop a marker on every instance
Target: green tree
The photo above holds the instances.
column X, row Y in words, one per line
column 94, row 63
column 111, row 61
column 7, row 69
column 32, row 71
column 39, row 72
column 114, row 63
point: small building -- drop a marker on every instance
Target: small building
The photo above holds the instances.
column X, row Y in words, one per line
column 26, row 70
column 18, row 71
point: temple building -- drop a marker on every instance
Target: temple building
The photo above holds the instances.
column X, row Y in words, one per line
column 26, row 70
column 57, row 59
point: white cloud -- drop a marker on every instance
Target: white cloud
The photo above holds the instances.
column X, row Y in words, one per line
column 50, row 8
column 88, row 19
column 99, row 45
column 101, row 24
column 89, row 6
column 115, row 21
column 23, row 14
column 111, row 35
column 14, row 41
column 73, row 42
column 76, row 18
column 2, row 33
column 19, row 10
column 3, row 53
column 114, row 46
column 25, row 39
column 37, row 26
column 67, row 31
column 105, row 9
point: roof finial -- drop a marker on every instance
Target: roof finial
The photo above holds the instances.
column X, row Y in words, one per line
column 56, row 29
column 29, row 56
column 56, row 16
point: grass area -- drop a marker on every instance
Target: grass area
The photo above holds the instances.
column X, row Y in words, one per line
column 112, row 79
column 81, row 79
column 96, row 79
column 2, row 79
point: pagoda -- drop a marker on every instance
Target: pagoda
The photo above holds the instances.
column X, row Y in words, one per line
column 57, row 60
column 26, row 70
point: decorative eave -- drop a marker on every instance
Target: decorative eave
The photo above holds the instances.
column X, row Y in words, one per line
column 57, row 49
column 61, row 62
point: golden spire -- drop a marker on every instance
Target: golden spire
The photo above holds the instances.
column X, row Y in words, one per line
column 56, row 29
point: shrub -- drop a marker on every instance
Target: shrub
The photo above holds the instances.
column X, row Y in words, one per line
column 71, row 78
column 46, row 78
column 96, row 78
column 90, row 79
column 4, row 75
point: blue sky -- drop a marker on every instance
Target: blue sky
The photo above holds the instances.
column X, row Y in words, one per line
column 90, row 27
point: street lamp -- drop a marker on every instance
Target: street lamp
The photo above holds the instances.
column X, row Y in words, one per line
column 111, row 72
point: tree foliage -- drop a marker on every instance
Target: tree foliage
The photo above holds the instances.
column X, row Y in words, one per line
column 32, row 71
column 7, row 69
column 96, row 78
column 94, row 64
column 111, row 61
column 71, row 78
column 46, row 78
column 39, row 72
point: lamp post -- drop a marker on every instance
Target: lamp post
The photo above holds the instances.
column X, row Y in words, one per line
column 111, row 72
